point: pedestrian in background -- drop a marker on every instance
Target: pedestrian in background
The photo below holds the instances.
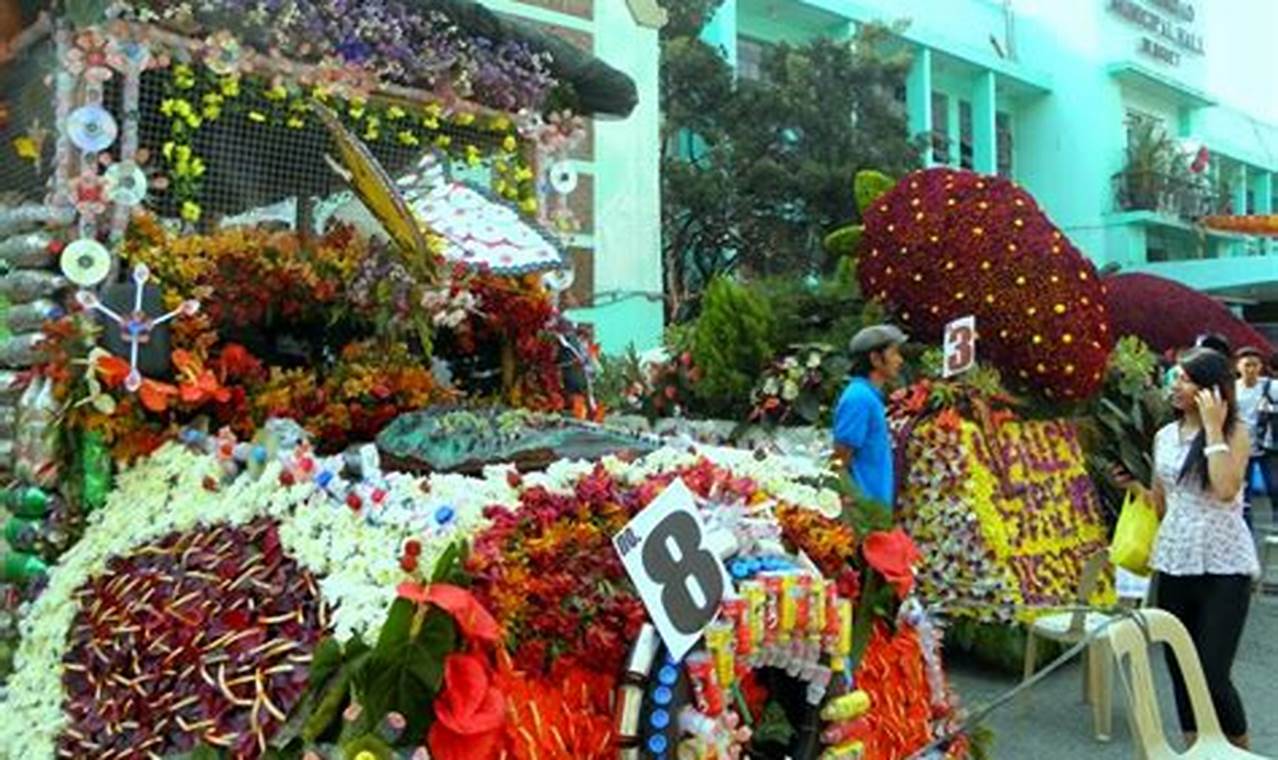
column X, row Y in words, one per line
column 1204, row 556
column 862, row 441
column 1256, row 404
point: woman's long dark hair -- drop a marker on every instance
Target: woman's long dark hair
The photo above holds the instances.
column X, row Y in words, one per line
column 1209, row 370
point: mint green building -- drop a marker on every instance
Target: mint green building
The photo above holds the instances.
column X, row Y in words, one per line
column 1049, row 93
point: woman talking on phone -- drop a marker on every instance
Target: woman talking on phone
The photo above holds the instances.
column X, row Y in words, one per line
column 1204, row 554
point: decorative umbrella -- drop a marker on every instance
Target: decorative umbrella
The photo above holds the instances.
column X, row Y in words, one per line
column 481, row 229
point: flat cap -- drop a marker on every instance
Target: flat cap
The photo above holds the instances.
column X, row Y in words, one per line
column 876, row 337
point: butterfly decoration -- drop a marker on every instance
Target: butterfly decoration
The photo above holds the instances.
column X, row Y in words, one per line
column 375, row 189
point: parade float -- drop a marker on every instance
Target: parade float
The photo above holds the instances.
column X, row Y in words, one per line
column 305, row 463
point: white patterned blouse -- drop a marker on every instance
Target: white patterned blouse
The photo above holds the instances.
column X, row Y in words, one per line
column 1200, row 534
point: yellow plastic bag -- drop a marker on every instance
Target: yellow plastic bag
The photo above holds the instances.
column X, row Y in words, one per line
column 1134, row 536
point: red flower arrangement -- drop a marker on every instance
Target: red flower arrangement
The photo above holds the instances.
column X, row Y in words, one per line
column 1169, row 316
column 567, row 714
column 549, row 573
column 944, row 243
column 894, row 555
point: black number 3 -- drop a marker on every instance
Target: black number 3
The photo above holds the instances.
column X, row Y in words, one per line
column 672, row 573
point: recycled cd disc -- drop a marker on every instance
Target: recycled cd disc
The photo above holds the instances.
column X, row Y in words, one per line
column 563, row 177
column 125, row 183
column 85, row 262
column 92, row 128
column 558, row 280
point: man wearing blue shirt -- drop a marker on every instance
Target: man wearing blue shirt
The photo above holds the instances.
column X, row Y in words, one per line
column 862, row 442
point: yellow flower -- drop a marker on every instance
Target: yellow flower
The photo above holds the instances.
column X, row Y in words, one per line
column 190, row 211
column 26, row 148
column 231, row 86
column 395, row 113
column 296, row 122
column 408, row 138
column 257, row 116
column 500, row 124
column 509, row 144
column 465, row 119
column 443, row 141
column 276, row 93
column 528, row 205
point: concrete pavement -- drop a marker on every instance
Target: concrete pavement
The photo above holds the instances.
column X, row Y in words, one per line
column 1056, row 725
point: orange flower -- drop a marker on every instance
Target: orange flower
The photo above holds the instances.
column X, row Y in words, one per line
column 113, row 370
column 155, row 395
column 196, row 383
column 949, row 420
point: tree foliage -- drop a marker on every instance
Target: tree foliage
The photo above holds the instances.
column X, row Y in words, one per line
column 731, row 345
column 755, row 173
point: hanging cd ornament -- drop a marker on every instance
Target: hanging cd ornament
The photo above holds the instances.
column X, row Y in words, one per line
column 85, row 262
column 125, row 183
column 92, row 128
column 563, row 177
column 559, row 280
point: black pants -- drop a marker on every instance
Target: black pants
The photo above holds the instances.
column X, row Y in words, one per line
column 1214, row 609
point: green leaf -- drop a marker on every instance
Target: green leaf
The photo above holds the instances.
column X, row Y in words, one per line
column 844, row 241
column 774, row 727
column 398, row 627
column 84, row 13
column 868, row 186
column 327, row 659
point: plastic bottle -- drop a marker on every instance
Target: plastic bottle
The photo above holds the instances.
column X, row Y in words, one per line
column 26, row 285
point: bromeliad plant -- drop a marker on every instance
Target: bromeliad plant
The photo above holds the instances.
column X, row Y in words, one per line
column 1120, row 429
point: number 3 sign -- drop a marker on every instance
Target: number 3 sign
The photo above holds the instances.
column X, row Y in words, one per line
column 960, row 346
column 679, row 579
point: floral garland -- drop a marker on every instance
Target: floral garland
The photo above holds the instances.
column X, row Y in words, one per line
column 1251, row 224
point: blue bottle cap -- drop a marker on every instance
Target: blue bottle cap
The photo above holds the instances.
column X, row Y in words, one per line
column 739, row 569
column 324, row 478
column 661, row 695
column 668, row 675
column 258, row 454
column 659, row 719
column 444, row 515
column 657, row 743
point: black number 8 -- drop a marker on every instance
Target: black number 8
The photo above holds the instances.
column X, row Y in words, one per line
column 672, row 574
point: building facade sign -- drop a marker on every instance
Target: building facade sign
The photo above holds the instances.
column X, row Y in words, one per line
column 1169, row 23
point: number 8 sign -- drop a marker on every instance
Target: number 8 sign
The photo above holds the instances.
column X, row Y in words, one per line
column 960, row 346
column 680, row 580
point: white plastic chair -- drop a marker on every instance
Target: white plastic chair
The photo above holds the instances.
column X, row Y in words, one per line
column 1072, row 627
column 1128, row 643
column 1268, row 548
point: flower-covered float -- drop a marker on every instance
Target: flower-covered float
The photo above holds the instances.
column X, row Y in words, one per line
column 1003, row 507
column 318, row 606
column 201, row 577
column 196, row 226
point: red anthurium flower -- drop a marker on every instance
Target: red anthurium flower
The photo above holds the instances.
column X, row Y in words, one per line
column 470, row 712
column 474, row 621
column 893, row 555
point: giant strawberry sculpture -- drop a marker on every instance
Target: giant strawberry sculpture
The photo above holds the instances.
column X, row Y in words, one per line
column 946, row 243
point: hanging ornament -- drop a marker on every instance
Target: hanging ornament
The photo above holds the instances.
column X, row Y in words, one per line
column 92, row 128
column 86, row 262
column 559, row 280
column 125, row 183
column 563, row 177
column 136, row 327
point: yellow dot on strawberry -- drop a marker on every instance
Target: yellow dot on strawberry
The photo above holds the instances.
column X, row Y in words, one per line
column 977, row 231
column 1037, row 339
column 1067, row 338
column 1069, row 369
column 989, row 298
column 985, row 265
column 1060, row 309
column 1020, row 280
